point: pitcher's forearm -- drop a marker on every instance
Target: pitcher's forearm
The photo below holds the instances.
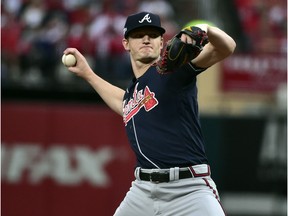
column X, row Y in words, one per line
column 221, row 41
column 220, row 46
column 111, row 95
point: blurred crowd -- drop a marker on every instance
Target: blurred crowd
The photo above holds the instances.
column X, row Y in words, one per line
column 264, row 23
column 35, row 33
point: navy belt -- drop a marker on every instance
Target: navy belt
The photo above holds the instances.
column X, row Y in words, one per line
column 163, row 177
column 172, row 174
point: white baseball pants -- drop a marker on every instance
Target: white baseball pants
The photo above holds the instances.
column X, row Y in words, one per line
column 186, row 197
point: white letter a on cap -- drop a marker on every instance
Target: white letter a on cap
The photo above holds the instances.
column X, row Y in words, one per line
column 147, row 18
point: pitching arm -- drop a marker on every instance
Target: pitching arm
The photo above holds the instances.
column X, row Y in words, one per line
column 112, row 95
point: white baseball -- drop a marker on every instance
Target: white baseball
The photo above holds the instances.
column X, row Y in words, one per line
column 69, row 60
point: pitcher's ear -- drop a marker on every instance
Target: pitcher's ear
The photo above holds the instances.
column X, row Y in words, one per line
column 125, row 44
column 162, row 42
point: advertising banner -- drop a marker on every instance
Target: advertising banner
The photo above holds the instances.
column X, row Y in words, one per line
column 63, row 160
column 258, row 73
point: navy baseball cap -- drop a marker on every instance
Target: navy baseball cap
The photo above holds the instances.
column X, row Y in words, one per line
column 142, row 19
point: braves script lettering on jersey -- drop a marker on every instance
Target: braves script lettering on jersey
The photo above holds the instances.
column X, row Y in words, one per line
column 139, row 100
column 153, row 103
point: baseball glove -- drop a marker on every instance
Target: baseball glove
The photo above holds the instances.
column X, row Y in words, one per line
column 178, row 53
